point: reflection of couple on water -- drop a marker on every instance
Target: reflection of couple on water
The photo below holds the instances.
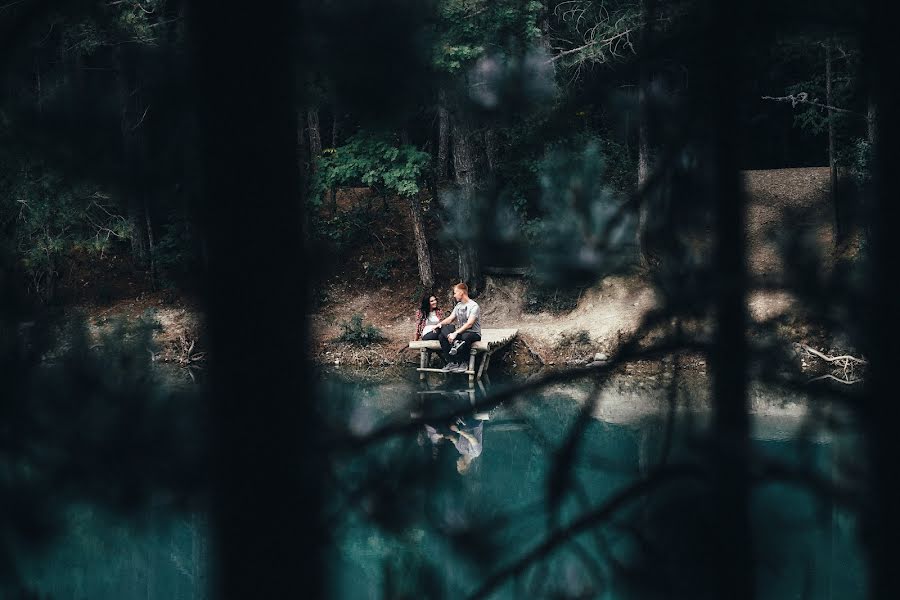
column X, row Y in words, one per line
column 465, row 438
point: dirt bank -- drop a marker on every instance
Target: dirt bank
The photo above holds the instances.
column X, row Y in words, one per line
column 786, row 206
column 379, row 283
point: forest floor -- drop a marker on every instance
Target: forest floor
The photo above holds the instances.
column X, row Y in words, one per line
column 788, row 208
column 378, row 280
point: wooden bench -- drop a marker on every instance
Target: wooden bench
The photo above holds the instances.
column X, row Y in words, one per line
column 491, row 341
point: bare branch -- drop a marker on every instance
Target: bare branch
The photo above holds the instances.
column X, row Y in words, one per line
column 834, row 358
column 143, row 116
column 838, row 379
column 610, row 42
column 803, row 98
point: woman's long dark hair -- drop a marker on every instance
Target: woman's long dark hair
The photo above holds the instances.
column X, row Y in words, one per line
column 425, row 305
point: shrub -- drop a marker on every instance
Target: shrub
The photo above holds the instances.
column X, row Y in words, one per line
column 48, row 217
column 541, row 297
column 374, row 160
column 382, row 271
column 574, row 339
column 176, row 252
column 357, row 333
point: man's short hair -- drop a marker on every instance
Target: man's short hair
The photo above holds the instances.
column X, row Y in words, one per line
column 462, row 286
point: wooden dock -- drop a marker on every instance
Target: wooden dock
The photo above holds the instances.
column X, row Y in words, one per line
column 491, row 341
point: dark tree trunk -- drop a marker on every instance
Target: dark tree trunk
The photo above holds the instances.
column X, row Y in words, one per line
column 643, row 166
column 303, row 168
column 335, row 127
column 881, row 412
column 420, row 238
column 643, row 173
column 150, row 242
column 131, row 180
column 829, row 100
column 268, row 469
column 303, row 154
column 72, row 61
column 315, row 138
column 443, row 155
column 464, row 166
column 38, row 86
column 137, row 222
column 423, row 256
column 648, row 8
column 490, row 149
column 872, row 118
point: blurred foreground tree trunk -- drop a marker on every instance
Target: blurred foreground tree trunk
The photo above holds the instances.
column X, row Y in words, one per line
column 881, row 411
column 733, row 544
column 266, row 509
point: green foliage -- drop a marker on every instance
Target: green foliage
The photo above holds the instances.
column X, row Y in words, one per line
column 346, row 228
column 815, row 119
column 51, row 217
column 175, row 252
column 84, row 37
column 358, row 333
column 469, row 28
column 528, row 157
column 598, row 32
column 858, row 158
column 807, row 55
column 373, row 160
column 382, row 271
column 135, row 19
column 584, row 232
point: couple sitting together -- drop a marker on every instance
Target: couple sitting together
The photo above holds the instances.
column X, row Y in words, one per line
column 456, row 332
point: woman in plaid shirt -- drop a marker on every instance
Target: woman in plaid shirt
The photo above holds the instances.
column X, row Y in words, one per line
column 428, row 316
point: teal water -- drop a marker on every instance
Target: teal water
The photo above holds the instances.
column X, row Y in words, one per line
column 101, row 556
column 406, row 523
column 460, row 529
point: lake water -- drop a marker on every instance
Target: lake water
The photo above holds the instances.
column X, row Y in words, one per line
column 428, row 514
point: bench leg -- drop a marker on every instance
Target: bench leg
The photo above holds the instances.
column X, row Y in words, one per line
column 472, row 369
column 484, row 362
column 423, row 362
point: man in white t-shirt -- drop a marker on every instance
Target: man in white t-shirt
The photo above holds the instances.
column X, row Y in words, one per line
column 460, row 330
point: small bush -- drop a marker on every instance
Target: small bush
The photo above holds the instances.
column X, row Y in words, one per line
column 544, row 298
column 357, row 333
column 574, row 345
column 382, row 271
column 177, row 251
column 572, row 340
